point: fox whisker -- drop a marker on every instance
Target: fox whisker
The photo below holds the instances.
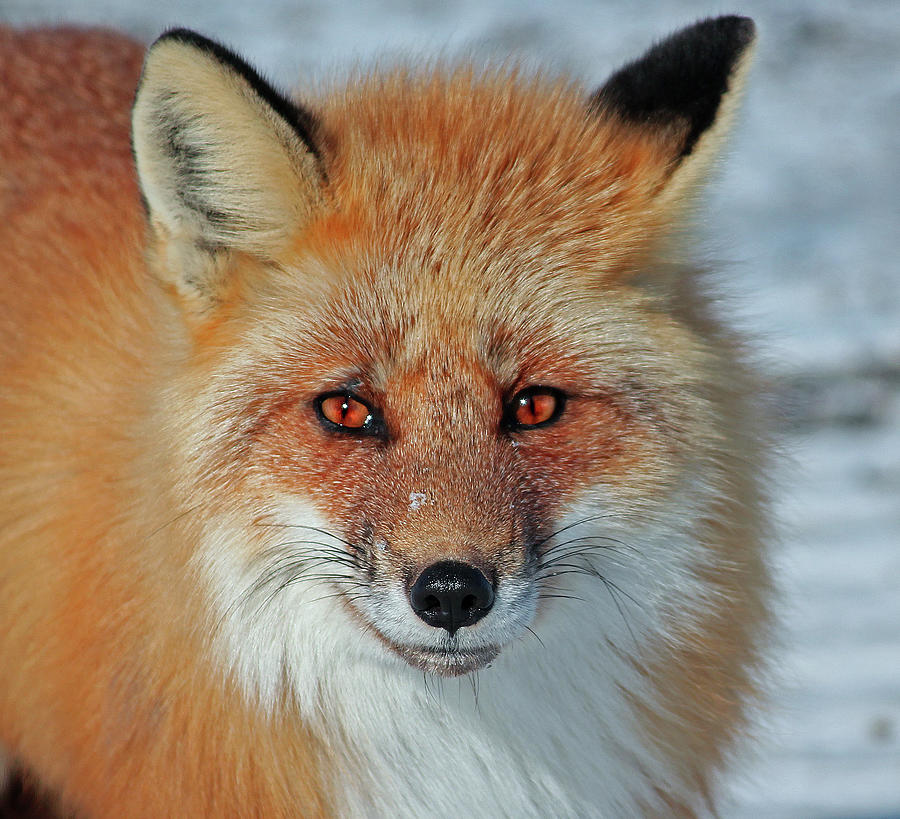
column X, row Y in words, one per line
column 607, row 516
column 618, row 542
column 180, row 516
column 277, row 525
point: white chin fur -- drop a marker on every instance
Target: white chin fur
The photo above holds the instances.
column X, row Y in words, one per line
column 389, row 612
column 546, row 728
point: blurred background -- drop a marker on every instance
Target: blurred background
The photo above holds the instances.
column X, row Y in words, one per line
column 802, row 220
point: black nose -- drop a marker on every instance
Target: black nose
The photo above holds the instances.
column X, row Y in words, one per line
column 451, row 595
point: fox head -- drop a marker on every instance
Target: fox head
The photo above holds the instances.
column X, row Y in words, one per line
column 431, row 367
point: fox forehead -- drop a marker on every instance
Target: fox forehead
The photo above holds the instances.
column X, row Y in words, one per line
column 383, row 325
column 470, row 217
column 496, row 180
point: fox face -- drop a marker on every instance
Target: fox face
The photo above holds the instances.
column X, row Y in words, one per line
column 438, row 469
column 442, row 452
column 458, row 392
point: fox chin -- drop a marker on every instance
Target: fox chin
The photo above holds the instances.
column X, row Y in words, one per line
column 374, row 451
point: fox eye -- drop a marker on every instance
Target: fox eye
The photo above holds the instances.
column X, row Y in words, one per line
column 344, row 411
column 534, row 407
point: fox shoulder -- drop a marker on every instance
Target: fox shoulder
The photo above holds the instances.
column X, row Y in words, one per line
column 65, row 96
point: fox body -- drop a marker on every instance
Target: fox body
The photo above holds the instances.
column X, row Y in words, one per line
column 371, row 456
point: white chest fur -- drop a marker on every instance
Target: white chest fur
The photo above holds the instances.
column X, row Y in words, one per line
column 550, row 728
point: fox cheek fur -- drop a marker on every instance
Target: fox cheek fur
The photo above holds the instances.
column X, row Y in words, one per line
column 412, row 378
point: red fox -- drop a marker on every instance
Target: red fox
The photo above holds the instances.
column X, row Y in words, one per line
column 375, row 454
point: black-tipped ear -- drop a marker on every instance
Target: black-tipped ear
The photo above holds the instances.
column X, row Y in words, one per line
column 224, row 161
column 681, row 82
column 302, row 121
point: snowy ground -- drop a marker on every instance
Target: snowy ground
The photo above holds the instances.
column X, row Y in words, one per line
column 805, row 217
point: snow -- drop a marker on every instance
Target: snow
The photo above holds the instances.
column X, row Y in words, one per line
column 804, row 213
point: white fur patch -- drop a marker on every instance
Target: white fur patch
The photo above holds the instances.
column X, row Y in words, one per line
column 546, row 729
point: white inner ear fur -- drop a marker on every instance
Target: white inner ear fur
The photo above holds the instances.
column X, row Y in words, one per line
column 686, row 180
column 217, row 165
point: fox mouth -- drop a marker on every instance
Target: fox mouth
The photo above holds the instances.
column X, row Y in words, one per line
column 440, row 637
column 447, row 661
column 445, row 631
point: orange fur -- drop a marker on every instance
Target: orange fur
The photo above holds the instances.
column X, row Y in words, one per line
column 85, row 698
column 486, row 207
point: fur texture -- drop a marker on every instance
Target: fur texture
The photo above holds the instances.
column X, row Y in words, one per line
column 206, row 582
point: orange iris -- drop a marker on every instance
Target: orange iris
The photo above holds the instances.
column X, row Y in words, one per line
column 345, row 411
column 535, row 408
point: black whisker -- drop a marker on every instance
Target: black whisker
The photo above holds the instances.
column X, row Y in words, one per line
column 609, row 587
column 351, row 598
column 285, row 548
column 590, row 519
column 473, row 680
column 569, row 555
column 274, row 525
column 534, row 634
column 439, row 697
column 559, row 595
column 174, row 520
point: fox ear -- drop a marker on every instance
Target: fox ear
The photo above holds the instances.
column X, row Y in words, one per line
column 677, row 101
column 224, row 161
